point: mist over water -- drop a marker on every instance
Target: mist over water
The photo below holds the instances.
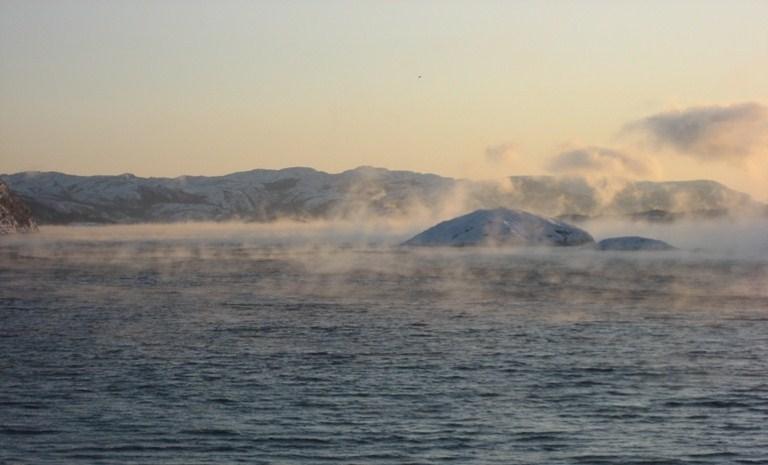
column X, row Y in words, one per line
column 327, row 342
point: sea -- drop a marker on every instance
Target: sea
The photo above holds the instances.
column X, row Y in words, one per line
column 207, row 345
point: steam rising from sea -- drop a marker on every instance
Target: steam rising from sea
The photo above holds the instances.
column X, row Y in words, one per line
column 745, row 237
column 333, row 259
column 285, row 343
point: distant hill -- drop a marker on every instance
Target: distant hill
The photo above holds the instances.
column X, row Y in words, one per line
column 15, row 216
column 500, row 227
column 307, row 194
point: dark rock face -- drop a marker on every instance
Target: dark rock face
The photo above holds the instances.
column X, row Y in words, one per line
column 632, row 244
column 501, row 227
column 15, row 216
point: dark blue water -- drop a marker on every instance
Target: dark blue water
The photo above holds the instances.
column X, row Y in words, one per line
column 150, row 352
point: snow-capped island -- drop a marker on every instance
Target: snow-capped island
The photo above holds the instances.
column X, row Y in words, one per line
column 501, row 227
column 632, row 244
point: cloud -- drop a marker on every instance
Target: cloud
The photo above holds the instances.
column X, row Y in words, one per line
column 495, row 162
column 710, row 133
column 598, row 161
column 500, row 154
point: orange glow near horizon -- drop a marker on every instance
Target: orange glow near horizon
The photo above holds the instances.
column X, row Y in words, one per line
column 458, row 89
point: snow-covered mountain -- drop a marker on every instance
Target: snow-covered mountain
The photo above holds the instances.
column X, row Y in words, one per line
column 14, row 213
column 501, row 227
column 305, row 193
column 259, row 195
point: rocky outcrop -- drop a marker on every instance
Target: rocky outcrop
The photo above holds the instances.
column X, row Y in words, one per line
column 632, row 244
column 501, row 227
column 15, row 216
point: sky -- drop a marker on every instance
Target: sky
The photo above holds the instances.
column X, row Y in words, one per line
column 645, row 89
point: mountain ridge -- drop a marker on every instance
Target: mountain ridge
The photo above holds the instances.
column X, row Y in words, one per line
column 304, row 193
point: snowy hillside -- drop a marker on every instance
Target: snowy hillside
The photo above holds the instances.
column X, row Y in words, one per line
column 305, row 193
column 259, row 195
column 501, row 226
